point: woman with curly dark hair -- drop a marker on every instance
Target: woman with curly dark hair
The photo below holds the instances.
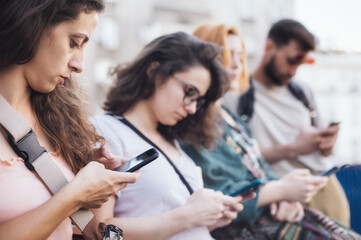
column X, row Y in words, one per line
column 167, row 93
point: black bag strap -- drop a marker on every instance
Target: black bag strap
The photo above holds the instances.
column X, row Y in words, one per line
column 299, row 94
column 245, row 106
column 246, row 101
column 131, row 126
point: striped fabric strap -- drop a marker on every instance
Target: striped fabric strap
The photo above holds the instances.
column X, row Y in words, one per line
column 17, row 130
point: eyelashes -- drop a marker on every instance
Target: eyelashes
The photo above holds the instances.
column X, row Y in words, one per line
column 73, row 44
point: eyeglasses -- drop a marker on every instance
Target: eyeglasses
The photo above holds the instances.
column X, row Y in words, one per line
column 191, row 94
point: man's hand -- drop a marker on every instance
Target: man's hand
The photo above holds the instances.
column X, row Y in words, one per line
column 328, row 138
column 307, row 141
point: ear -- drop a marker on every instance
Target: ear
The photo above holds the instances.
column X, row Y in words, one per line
column 269, row 49
column 270, row 46
column 152, row 66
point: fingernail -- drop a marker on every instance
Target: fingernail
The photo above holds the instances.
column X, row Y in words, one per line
column 109, row 155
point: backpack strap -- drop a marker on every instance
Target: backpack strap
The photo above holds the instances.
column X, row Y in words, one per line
column 298, row 93
column 25, row 143
column 245, row 106
column 246, row 101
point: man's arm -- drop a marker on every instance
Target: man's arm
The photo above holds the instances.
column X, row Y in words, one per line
column 307, row 141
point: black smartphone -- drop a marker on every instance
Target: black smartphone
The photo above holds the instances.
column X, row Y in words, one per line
column 248, row 189
column 139, row 161
column 334, row 123
column 330, row 171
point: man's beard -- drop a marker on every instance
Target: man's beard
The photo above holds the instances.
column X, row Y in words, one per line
column 278, row 79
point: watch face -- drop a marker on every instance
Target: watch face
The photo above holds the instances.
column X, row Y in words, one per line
column 113, row 233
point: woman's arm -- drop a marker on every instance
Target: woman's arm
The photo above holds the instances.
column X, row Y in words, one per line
column 92, row 186
column 270, row 193
column 203, row 208
column 40, row 222
column 298, row 185
column 160, row 226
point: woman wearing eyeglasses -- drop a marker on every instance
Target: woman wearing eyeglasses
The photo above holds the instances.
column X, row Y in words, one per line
column 166, row 94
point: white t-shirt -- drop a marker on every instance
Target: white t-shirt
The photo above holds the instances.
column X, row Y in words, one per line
column 159, row 189
column 277, row 119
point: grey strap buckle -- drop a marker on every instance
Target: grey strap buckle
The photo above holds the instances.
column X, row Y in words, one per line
column 28, row 147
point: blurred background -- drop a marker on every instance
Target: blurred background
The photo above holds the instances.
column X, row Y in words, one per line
column 127, row 25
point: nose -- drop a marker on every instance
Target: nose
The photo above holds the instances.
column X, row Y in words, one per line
column 191, row 108
column 293, row 71
column 235, row 62
column 76, row 63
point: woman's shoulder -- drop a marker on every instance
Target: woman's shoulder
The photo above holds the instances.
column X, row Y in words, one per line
column 103, row 119
column 108, row 125
column 118, row 136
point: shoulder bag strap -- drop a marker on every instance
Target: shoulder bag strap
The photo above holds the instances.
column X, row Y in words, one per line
column 299, row 94
column 131, row 126
column 246, row 103
column 247, row 99
column 25, row 143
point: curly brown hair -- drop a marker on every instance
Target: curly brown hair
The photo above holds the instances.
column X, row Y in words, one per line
column 175, row 52
column 65, row 123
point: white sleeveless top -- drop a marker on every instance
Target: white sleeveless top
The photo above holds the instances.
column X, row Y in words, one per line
column 159, row 189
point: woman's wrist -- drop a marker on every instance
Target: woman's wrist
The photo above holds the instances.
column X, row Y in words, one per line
column 71, row 197
column 280, row 189
column 273, row 191
column 185, row 215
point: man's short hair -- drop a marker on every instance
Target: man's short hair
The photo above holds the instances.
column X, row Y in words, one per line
column 283, row 31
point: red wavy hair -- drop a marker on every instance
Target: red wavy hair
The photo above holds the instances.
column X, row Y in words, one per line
column 218, row 34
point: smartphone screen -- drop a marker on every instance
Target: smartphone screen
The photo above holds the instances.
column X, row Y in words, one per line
column 248, row 189
column 330, row 171
column 139, row 161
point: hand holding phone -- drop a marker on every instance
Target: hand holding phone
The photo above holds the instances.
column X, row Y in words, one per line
column 253, row 186
column 139, row 161
column 329, row 136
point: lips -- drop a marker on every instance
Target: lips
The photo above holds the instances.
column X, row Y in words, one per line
column 63, row 79
column 180, row 117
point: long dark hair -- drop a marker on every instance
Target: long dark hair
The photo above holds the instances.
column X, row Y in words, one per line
column 23, row 22
column 175, row 52
column 60, row 114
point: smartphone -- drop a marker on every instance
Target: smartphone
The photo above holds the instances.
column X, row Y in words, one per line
column 330, row 171
column 139, row 161
column 334, row 123
column 248, row 189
